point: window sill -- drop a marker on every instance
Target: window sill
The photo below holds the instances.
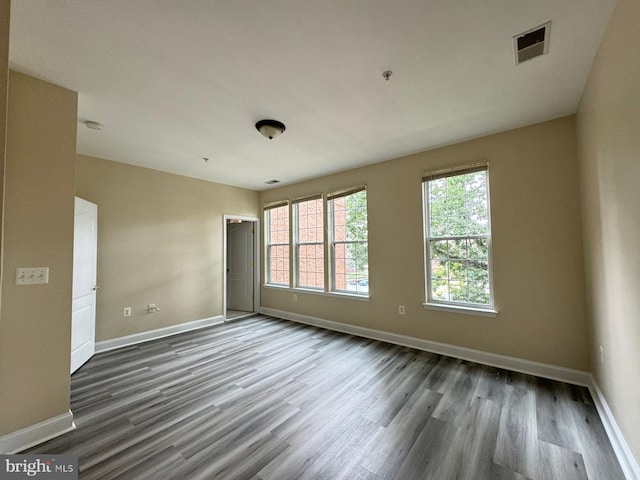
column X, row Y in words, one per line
column 481, row 312
column 361, row 298
column 275, row 286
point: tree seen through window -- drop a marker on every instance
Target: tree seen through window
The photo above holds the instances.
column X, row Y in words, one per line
column 458, row 237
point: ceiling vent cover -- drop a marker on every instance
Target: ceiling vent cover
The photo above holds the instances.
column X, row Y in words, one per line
column 532, row 43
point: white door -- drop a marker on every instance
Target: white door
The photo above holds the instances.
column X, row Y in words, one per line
column 240, row 266
column 85, row 257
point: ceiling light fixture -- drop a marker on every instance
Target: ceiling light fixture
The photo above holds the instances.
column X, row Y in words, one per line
column 270, row 128
column 93, row 125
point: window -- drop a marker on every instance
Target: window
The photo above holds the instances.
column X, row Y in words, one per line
column 309, row 242
column 276, row 220
column 348, row 236
column 458, row 238
column 330, row 247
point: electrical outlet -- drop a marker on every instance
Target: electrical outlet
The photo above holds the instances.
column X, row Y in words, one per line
column 401, row 309
column 126, row 312
column 601, row 354
column 295, row 297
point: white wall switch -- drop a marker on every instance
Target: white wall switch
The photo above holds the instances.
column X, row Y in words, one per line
column 32, row 276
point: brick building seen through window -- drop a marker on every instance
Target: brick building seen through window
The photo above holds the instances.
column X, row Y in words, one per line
column 345, row 226
column 277, row 240
column 309, row 238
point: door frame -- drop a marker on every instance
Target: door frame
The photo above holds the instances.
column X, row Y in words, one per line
column 256, row 259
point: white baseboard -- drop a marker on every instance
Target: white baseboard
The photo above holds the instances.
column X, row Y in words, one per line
column 627, row 461
column 35, row 434
column 147, row 336
column 577, row 377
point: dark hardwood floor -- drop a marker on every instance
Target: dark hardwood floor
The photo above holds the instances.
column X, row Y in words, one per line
column 267, row 399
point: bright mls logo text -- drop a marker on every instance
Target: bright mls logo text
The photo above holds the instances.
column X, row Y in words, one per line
column 39, row 466
column 31, row 469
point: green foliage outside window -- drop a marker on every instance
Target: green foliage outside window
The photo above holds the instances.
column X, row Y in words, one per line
column 357, row 230
column 350, row 242
column 458, row 231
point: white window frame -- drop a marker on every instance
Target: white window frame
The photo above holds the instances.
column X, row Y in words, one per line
column 439, row 304
column 296, row 241
column 332, row 242
column 267, row 241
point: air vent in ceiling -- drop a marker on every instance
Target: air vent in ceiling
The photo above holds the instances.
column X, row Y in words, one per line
column 272, row 182
column 532, row 43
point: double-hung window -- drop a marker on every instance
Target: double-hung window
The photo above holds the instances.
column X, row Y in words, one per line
column 348, row 240
column 276, row 220
column 458, row 238
column 309, row 242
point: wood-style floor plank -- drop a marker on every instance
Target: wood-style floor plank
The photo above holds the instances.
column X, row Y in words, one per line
column 266, row 399
column 517, row 444
column 557, row 463
column 391, row 445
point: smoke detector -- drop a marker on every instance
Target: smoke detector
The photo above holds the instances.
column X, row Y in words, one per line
column 532, row 43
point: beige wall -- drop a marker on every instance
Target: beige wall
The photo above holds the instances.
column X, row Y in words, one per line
column 38, row 231
column 609, row 153
column 5, row 14
column 160, row 240
column 538, row 265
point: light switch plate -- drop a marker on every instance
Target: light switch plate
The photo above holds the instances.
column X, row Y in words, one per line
column 32, row 276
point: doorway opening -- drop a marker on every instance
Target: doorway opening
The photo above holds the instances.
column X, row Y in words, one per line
column 241, row 266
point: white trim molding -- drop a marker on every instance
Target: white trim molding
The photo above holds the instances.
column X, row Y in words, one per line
column 481, row 312
column 35, row 434
column 345, row 295
column 149, row 335
column 545, row 370
column 626, row 459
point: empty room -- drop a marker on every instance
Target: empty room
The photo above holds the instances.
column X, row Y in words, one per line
column 350, row 239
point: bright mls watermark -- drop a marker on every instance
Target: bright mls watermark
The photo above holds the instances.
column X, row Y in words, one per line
column 51, row 467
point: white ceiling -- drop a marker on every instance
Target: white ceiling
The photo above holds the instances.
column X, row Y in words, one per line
column 174, row 81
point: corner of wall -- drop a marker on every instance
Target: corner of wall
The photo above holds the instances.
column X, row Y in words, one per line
column 38, row 231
